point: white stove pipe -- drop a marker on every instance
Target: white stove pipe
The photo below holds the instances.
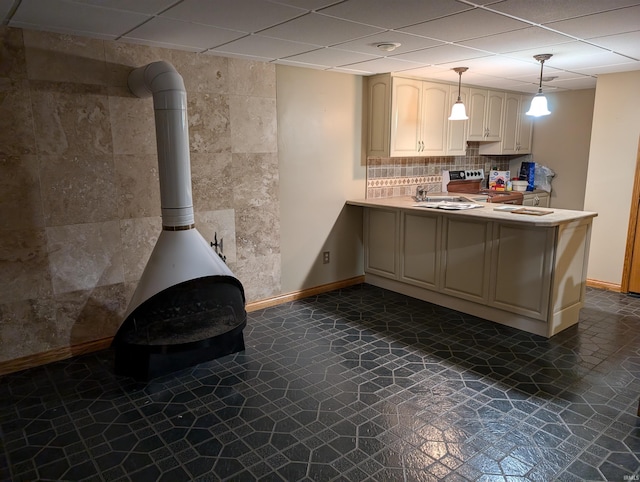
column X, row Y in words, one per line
column 181, row 253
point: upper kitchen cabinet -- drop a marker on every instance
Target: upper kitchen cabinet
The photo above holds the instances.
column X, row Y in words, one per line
column 516, row 128
column 485, row 115
column 407, row 117
column 457, row 130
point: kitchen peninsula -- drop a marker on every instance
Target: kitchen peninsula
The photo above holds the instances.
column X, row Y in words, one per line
column 525, row 270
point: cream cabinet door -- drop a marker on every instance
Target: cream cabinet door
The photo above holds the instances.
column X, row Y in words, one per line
column 525, row 126
column 493, row 121
column 420, row 258
column 522, row 260
column 379, row 97
column 511, row 120
column 381, row 241
column 406, row 115
column 435, row 111
column 466, row 257
column 476, row 109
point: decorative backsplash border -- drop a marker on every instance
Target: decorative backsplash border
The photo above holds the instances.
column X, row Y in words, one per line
column 394, row 177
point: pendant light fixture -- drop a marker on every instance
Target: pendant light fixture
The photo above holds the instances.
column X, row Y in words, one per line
column 458, row 111
column 539, row 102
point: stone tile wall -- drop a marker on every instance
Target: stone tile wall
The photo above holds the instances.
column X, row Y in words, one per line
column 79, row 192
column 392, row 177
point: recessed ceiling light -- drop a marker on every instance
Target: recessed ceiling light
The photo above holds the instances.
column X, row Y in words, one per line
column 388, row 46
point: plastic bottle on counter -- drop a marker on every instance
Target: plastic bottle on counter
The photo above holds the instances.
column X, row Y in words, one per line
column 509, row 185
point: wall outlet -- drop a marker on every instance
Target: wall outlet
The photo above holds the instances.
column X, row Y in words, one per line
column 325, row 257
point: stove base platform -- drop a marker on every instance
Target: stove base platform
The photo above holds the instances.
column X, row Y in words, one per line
column 145, row 362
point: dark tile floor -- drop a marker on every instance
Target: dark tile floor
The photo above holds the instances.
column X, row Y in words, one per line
column 356, row 384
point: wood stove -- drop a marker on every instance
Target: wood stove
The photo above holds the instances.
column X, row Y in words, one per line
column 188, row 306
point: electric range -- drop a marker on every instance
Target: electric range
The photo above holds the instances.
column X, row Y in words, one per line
column 469, row 183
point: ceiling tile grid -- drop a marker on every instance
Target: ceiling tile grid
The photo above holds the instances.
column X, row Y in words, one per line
column 496, row 39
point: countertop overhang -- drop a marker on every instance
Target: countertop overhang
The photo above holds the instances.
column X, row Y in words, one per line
column 488, row 211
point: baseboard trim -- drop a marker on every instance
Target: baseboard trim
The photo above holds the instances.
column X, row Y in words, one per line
column 604, row 285
column 63, row 353
column 298, row 295
column 57, row 354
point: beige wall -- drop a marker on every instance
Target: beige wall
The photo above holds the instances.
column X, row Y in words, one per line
column 321, row 166
column 561, row 142
column 612, row 164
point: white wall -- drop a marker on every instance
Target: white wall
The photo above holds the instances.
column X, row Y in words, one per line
column 561, row 142
column 321, row 165
column 612, row 164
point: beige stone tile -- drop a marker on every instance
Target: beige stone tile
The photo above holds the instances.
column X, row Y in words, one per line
column 16, row 121
column 253, row 124
column 138, row 186
column 78, row 189
column 212, row 181
column 90, row 315
column 220, row 225
column 12, row 60
column 257, row 232
column 201, row 73
column 255, row 79
column 28, row 327
column 255, row 180
column 20, row 199
column 209, row 126
column 133, row 124
column 84, row 256
column 71, row 119
column 64, row 58
column 24, row 265
column 260, row 276
column 139, row 237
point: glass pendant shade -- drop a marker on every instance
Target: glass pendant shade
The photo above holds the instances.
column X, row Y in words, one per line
column 458, row 112
column 538, row 106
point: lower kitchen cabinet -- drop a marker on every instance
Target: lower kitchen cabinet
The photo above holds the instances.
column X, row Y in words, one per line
column 521, row 274
column 536, row 198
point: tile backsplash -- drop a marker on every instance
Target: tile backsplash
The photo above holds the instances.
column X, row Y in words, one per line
column 399, row 176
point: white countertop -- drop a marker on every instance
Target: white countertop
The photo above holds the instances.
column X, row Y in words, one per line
column 555, row 217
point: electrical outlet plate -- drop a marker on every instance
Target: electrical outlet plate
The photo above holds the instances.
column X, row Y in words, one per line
column 325, row 257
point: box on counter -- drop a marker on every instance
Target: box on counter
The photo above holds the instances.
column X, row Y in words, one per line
column 498, row 180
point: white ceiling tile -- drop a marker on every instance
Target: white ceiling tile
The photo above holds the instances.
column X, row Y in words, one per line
column 293, row 63
column 442, row 54
column 67, row 17
column 466, row 25
column 244, row 15
column 383, row 64
column 610, row 69
column 572, row 84
column 168, row 31
column 368, row 45
column 601, row 24
column 396, row 14
column 543, row 11
column 306, row 4
column 517, row 40
column 266, row 47
column 320, row 30
column 151, row 7
column 624, row 43
column 331, row 57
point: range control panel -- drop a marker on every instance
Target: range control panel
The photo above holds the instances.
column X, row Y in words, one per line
column 470, row 175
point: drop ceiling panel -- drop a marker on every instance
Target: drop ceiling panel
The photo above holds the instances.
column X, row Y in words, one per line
column 67, row 17
column 466, row 25
column 320, row 30
column 383, row 64
column 329, row 57
column 442, row 54
column 151, row 7
column 246, row 15
column 602, row 24
column 527, row 38
column 367, row 45
column 271, row 48
column 543, row 11
column 193, row 36
column 624, row 43
column 395, row 14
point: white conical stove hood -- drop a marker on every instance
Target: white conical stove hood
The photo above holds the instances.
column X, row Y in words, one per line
column 181, row 253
